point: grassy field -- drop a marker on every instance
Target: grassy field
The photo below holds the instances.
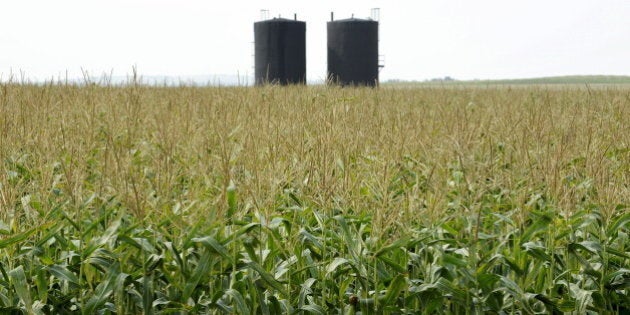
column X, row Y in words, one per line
column 314, row 200
column 584, row 81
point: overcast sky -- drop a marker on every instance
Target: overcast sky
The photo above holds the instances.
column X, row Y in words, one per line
column 485, row 39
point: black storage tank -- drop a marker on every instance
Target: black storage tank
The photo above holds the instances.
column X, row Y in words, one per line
column 353, row 52
column 280, row 51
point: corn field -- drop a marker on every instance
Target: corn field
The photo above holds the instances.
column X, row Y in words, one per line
column 314, row 200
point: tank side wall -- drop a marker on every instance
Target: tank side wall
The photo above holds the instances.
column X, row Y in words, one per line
column 280, row 52
column 295, row 53
column 353, row 52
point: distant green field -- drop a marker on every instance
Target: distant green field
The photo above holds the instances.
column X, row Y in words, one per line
column 562, row 80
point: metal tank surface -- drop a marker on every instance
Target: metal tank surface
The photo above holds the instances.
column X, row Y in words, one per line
column 280, row 51
column 353, row 52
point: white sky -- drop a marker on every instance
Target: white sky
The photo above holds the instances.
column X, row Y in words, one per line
column 483, row 39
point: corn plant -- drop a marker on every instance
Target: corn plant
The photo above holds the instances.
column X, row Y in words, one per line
column 313, row 200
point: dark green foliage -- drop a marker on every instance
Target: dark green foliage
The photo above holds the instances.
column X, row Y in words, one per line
column 319, row 265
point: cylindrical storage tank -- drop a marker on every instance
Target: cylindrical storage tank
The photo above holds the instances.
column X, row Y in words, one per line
column 280, row 51
column 353, row 52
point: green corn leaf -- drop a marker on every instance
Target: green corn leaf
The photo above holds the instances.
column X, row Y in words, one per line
column 100, row 262
column 336, row 263
column 615, row 252
column 101, row 294
column 49, row 234
column 62, row 273
column 202, row 268
column 514, row 266
column 119, row 288
column 99, row 221
column 511, row 287
column 588, row 268
column 243, row 230
column 148, row 293
column 449, row 259
column 622, row 221
column 497, row 258
column 537, row 251
column 251, row 251
column 5, row 275
column 159, row 302
column 583, row 298
column 111, row 232
column 620, row 272
column 306, row 236
column 313, row 309
column 213, row 245
column 239, row 301
column 262, row 301
column 401, row 242
column 591, row 246
column 487, row 280
column 220, row 304
column 129, row 240
column 618, row 280
column 552, row 307
column 504, row 219
column 268, row 278
column 310, row 263
column 16, row 238
column 390, row 262
column 18, row 280
column 599, row 301
column 63, row 242
column 41, row 282
column 350, row 240
column 146, row 244
column 319, row 218
column 447, row 287
column 279, row 306
column 305, row 291
column 540, row 224
column 74, row 224
column 566, row 305
column 175, row 254
column 398, row 284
